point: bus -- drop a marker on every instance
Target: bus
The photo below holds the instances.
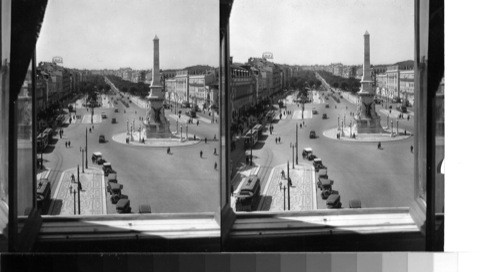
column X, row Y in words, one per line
column 248, row 196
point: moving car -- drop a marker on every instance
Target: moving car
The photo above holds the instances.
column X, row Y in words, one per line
column 113, row 121
column 327, row 105
column 314, row 111
column 325, row 116
column 312, row 134
column 116, row 110
column 103, row 115
column 102, row 139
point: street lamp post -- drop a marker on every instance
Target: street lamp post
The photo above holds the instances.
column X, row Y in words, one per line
column 397, row 127
column 251, row 147
column 127, row 127
column 78, row 188
column 292, row 146
column 181, row 133
column 83, row 152
column 296, row 144
column 73, row 192
column 288, row 182
column 392, row 128
column 86, row 151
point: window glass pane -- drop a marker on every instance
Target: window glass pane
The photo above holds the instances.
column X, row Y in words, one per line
column 313, row 93
column 222, row 106
column 25, row 146
column 439, row 104
column 4, row 109
column 422, row 59
column 131, row 103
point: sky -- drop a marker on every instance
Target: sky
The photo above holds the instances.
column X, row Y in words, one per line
column 96, row 34
column 322, row 31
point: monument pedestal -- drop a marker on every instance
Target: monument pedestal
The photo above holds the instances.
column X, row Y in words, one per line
column 156, row 124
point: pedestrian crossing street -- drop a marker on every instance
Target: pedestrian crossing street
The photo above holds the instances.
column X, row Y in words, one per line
column 297, row 114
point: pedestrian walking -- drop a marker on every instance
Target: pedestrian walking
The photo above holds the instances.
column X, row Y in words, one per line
column 215, row 150
column 408, row 117
column 215, row 166
column 90, row 130
column 276, row 140
column 205, row 139
column 279, row 140
column 411, row 149
column 232, row 188
column 201, row 154
column 197, row 122
column 379, row 146
column 168, row 150
column 69, row 143
column 215, row 138
column 66, row 144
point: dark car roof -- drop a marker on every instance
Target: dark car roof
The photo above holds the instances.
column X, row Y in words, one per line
column 332, row 199
column 325, row 181
column 122, row 203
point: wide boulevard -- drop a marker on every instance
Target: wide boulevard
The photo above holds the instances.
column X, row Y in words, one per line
column 170, row 183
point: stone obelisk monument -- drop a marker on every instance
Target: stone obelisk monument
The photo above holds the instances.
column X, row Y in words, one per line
column 156, row 124
column 367, row 119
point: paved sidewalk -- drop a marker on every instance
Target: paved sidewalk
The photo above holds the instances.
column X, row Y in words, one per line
column 92, row 196
column 302, row 193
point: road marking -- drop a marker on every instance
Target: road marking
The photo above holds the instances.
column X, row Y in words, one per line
column 87, row 119
column 297, row 114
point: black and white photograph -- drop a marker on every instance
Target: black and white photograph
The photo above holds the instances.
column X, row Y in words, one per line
column 327, row 121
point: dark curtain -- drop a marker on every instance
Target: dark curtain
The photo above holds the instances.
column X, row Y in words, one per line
column 27, row 17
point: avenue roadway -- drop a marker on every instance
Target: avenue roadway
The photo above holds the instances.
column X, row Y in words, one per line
column 379, row 178
column 180, row 182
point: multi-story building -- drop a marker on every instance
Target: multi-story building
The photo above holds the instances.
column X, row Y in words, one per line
column 406, row 85
column 181, row 93
column 242, row 90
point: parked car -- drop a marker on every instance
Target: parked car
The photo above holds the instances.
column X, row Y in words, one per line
column 355, row 204
column 312, row 134
column 306, row 152
column 324, row 184
column 113, row 177
column 123, row 206
column 102, row 139
column 113, row 121
column 333, row 201
column 322, row 173
column 96, row 156
column 314, row 111
column 144, row 208
column 318, row 164
column 325, row 116
column 103, row 115
column 116, row 110
column 101, row 161
column 327, row 105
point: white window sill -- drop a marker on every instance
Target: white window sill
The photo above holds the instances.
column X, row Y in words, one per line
column 129, row 226
column 323, row 222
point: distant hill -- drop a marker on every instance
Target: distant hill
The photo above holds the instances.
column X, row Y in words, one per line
column 192, row 69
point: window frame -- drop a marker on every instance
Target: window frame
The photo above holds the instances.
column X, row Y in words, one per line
column 421, row 210
column 34, row 226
